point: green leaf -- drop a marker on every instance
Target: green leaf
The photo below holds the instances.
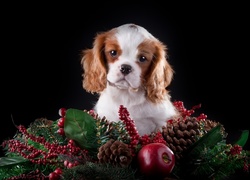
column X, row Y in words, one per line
column 5, row 161
column 209, row 140
column 80, row 127
column 243, row 138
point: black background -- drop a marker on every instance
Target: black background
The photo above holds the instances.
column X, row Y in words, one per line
column 41, row 44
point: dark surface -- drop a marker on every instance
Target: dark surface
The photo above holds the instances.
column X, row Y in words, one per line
column 208, row 49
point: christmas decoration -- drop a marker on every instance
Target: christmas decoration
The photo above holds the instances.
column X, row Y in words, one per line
column 82, row 145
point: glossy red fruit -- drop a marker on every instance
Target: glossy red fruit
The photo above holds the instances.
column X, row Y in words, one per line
column 156, row 159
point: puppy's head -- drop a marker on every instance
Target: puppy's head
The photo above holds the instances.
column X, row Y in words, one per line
column 127, row 57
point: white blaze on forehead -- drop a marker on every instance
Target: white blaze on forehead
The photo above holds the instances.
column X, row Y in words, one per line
column 130, row 36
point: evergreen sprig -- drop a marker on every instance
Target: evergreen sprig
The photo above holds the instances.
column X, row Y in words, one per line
column 11, row 170
column 111, row 130
column 90, row 171
column 47, row 129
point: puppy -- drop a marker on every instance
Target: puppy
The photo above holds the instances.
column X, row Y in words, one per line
column 128, row 66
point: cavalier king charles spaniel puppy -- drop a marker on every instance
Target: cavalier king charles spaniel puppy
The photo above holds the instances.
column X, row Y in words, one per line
column 128, row 66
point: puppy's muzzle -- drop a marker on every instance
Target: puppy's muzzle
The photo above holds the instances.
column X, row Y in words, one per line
column 125, row 69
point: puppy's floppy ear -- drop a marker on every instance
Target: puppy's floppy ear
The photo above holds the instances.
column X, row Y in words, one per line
column 94, row 66
column 160, row 74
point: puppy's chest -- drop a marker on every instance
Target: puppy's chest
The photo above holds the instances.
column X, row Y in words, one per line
column 137, row 108
column 135, row 102
column 126, row 98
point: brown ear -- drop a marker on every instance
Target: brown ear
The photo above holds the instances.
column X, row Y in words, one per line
column 159, row 76
column 94, row 66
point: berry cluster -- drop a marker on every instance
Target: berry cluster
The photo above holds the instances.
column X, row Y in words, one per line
column 152, row 138
column 130, row 127
column 235, row 149
column 188, row 112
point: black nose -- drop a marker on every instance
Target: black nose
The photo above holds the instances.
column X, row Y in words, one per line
column 125, row 69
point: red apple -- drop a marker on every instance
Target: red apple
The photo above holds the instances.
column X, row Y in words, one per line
column 156, row 159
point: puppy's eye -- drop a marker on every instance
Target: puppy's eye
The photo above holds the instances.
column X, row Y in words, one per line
column 142, row 59
column 113, row 53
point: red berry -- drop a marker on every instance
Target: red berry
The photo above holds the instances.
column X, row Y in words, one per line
column 54, row 176
column 66, row 163
column 70, row 165
column 58, row 171
column 61, row 131
column 60, row 122
column 62, row 112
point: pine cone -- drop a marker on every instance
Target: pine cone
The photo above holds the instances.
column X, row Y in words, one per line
column 179, row 134
column 104, row 125
column 115, row 152
column 207, row 125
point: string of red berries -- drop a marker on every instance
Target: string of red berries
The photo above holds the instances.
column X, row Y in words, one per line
column 188, row 112
column 60, row 123
column 202, row 116
column 184, row 112
column 39, row 156
column 130, row 127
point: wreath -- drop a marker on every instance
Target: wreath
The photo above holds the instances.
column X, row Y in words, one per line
column 82, row 145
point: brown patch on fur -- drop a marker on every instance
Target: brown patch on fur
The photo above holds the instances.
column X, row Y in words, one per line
column 94, row 64
column 146, row 49
column 159, row 75
column 112, row 45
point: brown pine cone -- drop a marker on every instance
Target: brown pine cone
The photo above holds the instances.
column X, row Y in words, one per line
column 115, row 152
column 207, row 124
column 180, row 134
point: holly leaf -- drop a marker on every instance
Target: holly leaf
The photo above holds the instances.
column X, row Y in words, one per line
column 243, row 138
column 5, row 161
column 80, row 127
column 208, row 140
